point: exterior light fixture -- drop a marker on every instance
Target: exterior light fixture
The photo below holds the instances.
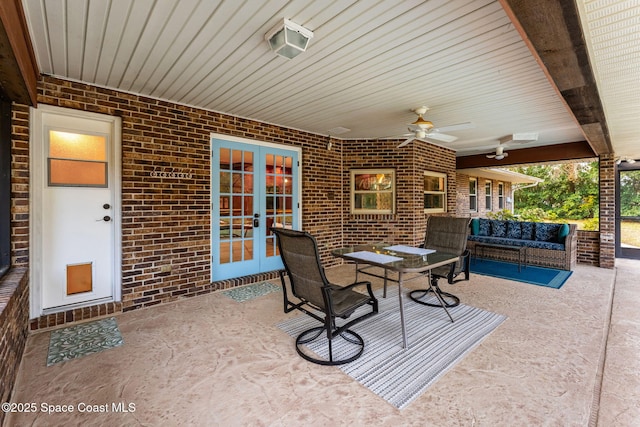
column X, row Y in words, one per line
column 288, row 39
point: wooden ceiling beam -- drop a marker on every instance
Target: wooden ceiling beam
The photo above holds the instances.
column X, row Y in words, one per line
column 548, row 153
column 18, row 67
column 553, row 32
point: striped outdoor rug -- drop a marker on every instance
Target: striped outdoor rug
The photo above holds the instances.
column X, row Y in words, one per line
column 435, row 345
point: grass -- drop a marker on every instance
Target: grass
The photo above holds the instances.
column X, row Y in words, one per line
column 630, row 233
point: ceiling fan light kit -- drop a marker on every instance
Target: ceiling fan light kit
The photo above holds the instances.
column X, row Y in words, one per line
column 519, row 138
column 499, row 154
column 423, row 124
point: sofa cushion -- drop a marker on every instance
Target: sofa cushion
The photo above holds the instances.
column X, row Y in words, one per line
column 484, row 227
column 546, row 232
column 475, row 226
column 518, row 242
column 563, row 232
column 498, row 228
column 514, row 230
column 528, row 230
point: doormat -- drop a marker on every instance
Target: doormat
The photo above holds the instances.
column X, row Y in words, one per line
column 83, row 340
column 246, row 293
column 533, row 275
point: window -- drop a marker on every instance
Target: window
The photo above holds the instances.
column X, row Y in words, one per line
column 373, row 191
column 500, row 195
column 435, row 192
column 473, row 195
column 5, row 186
column 487, row 195
column 77, row 160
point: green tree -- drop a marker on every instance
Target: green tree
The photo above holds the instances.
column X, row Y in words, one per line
column 569, row 191
column 630, row 193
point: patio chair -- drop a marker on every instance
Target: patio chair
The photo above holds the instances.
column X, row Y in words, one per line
column 324, row 301
column 446, row 234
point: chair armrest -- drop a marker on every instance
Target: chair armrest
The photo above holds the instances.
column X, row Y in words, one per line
column 464, row 260
column 338, row 288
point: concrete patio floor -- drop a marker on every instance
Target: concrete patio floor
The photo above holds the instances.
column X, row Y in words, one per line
column 566, row 357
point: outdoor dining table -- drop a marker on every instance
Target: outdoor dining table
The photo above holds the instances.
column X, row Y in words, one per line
column 399, row 259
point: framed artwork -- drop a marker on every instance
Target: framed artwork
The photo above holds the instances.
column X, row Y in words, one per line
column 373, row 191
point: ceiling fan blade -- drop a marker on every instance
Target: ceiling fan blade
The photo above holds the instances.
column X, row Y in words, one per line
column 459, row 126
column 404, row 135
column 441, row 137
column 407, row 141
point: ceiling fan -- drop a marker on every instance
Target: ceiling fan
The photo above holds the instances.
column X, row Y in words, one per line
column 520, row 138
column 499, row 154
column 423, row 129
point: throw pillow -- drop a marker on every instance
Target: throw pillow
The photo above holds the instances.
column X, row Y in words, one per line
column 485, row 227
column 499, row 228
column 528, row 230
column 563, row 232
column 546, row 232
column 514, row 231
column 475, row 226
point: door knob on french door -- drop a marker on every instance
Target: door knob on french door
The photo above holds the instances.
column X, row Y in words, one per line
column 256, row 221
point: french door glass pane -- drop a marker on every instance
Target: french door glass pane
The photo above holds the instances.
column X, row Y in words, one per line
column 236, row 206
column 279, row 197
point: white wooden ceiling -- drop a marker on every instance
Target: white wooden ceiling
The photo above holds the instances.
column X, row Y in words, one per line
column 612, row 33
column 368, row 64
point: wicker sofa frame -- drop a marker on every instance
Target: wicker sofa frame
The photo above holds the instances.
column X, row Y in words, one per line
column 554, row 258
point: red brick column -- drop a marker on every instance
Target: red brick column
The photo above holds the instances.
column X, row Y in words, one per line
column 607, row 211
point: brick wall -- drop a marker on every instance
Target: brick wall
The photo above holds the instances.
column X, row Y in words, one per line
column 607, row 211
column 462, row 199
column 166, row 220
column 407, row 225
column 20, row 186
column 588, row 247
column 14, row 286
column 14, row 318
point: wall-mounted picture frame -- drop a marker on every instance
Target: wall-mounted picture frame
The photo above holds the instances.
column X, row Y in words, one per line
column 373, row 191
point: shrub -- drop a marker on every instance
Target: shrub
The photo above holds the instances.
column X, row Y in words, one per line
column 532, row 214
column 591, row 224
column 502, row 215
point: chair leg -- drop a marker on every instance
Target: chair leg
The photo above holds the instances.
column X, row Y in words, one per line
column 439, row 294
column 311, row 335
column 445, row 299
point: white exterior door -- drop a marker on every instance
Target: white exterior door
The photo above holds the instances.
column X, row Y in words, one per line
column 76, row 210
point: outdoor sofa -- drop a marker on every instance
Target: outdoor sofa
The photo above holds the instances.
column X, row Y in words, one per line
column 548, row 244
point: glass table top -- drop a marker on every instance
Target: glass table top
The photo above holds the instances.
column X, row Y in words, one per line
column 395, row 257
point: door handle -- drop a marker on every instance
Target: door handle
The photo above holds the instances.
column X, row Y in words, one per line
column 256, row 221
column 105, row 218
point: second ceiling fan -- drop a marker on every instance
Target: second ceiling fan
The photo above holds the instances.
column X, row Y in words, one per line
column 423, row 129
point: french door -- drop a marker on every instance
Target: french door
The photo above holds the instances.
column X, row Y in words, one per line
column 254, row 187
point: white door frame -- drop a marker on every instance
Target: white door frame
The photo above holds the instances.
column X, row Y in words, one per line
column 36, row 181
